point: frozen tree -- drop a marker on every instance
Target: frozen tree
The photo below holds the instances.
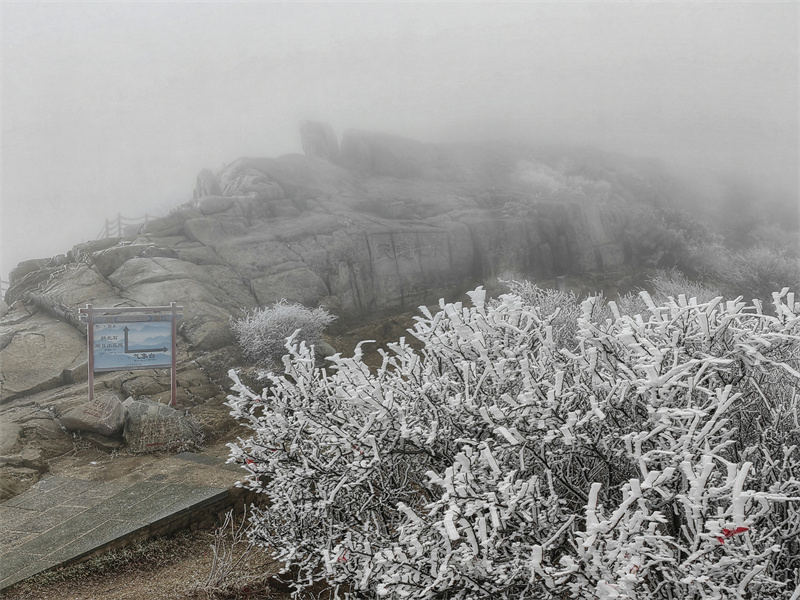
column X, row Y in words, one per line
column 650, row 456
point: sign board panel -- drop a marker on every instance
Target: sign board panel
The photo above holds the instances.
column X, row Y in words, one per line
column 130, row 338
column 128, row 342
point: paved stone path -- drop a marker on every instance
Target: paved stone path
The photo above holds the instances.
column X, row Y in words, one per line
column 61, row 520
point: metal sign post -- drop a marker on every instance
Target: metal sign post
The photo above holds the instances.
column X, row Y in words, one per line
column 127, row 339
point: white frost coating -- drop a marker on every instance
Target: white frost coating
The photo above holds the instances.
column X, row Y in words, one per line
column 538, row 447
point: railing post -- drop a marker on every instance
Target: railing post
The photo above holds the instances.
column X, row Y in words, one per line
column 174, row 376
column 90, row 344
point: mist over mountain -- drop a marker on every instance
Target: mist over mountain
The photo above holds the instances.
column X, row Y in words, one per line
column 369, row 225
column 113, row 108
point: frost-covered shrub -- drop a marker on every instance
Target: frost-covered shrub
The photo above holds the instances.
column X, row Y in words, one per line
column 262, row 333
column 563, row 308
column 755, row 271
column 658, row 459
column 671, row 283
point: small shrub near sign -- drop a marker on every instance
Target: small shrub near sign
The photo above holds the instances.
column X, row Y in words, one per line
column 657, row 456
column 154, row 427
column 262, row 333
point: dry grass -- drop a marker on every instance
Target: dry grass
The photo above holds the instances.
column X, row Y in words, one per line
column 175, row 568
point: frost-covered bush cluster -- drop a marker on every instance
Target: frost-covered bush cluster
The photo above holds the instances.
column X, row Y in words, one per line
column 652, row 456
column 757, row 270
column 262, row 333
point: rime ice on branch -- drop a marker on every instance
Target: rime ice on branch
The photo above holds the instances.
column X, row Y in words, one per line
column 651, row 455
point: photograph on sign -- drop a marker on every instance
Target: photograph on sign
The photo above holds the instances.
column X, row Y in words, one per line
column 124, row 344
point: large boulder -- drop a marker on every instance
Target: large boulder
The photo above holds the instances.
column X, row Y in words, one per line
column 153, row 427
column 43, row 438
column 207, row 184
column 294, row 176
column 252, row 182
column 212, row 231
column 84, row 250
column 209, row 295
column 25, row 267
column 109, row 260
column 295, row 285
column 319, row 140
column 70, row 289
column 212, row 205
column 39, row 353
column 9, row 437
column 170, row 225
column 105, row 415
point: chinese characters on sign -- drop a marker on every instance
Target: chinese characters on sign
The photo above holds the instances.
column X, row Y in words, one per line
column 126, row 339
column 127, row 342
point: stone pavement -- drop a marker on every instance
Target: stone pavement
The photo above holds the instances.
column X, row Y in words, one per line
column 61, row 520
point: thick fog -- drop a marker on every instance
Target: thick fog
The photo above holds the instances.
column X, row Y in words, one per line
column 115, row 107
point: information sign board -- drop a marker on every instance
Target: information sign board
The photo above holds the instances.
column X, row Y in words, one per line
column 130, row 338
column 127, row 342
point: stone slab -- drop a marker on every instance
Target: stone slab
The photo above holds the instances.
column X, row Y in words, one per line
column 60, row 520
column 10, row 516
column 18, row 566
column 39, row 522
column 95, row 539
column 188, row 501
column 12, row 539
column 39, row 499
column 97, row 494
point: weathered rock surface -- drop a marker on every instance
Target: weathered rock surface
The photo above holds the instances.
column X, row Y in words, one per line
column 377, row 224
column 381, row 224
column 40, row 354
column 42, row 433
column 207, row 184
column 9, row 437
column 104, row 415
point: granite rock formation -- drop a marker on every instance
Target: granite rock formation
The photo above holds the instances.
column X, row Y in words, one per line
column 376, row 225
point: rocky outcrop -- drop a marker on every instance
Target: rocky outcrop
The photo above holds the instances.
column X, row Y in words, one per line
column 379, row 225
column 207, row 184
column 396, row 224
column 38, row 352
column 29, row 437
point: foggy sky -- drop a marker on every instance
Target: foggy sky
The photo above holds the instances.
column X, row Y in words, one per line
column 115, row 107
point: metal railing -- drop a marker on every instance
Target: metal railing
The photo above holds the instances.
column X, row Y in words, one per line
column 116, row 227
